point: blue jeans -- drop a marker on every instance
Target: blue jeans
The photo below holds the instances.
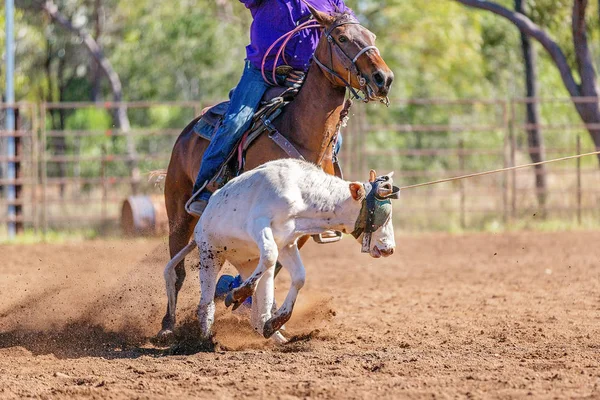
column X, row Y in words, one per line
column 244, row 101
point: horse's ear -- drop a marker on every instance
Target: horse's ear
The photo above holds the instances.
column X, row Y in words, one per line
column 321, row 17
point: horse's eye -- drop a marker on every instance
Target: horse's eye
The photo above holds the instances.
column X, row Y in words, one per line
column 343, row 39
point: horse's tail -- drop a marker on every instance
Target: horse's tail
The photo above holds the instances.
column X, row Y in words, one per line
column 157, row 177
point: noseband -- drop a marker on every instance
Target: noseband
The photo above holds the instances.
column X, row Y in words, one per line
column 353, row 68
column 375, row 212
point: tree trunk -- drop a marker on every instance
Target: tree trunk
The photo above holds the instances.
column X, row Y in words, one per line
column 95, row 71
column 534, row 135
column 121, row 112
column 589, row 112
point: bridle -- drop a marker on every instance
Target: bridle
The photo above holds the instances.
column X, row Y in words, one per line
column 375, row 212
column 347, row 19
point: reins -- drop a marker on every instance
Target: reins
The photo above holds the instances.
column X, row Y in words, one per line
column 494, row 171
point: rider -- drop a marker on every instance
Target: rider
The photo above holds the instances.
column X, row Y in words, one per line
column 271, row 20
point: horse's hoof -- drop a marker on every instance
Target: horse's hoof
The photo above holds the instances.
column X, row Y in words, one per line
column 163, row 338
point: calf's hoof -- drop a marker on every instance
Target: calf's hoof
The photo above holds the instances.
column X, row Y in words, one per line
column 274, row 324
column 236, row 297
column 278, row 338
column 230, row 301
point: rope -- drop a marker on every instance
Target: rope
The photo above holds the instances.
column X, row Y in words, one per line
column 286, row 38
column 456, row 178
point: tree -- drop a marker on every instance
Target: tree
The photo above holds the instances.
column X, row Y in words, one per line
column 51, row 9
column 534, row 134
column 588, row 110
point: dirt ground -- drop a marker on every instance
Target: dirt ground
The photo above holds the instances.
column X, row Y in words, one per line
column 479, row 316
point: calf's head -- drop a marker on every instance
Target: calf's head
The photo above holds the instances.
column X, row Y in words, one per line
column 373, row 227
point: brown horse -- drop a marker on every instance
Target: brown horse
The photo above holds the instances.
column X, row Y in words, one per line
column 309, row 122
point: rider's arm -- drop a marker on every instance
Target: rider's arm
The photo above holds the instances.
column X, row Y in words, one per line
column 251, row 3
column 342, row 7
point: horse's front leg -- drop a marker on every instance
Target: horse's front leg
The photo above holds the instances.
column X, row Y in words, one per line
column 290, row 258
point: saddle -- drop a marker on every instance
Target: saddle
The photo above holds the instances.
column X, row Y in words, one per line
column 213, row 115
column 271, row 105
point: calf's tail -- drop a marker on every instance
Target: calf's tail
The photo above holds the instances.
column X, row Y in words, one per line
column 171, row 277
column 180, row 256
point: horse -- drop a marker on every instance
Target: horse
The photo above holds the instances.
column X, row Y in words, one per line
column 309, row 123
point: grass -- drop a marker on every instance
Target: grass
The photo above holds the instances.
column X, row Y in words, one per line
column 51, row 236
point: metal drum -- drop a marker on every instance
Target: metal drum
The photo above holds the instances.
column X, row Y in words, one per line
column 144, row 216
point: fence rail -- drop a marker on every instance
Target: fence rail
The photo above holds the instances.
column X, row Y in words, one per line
column 75, row 167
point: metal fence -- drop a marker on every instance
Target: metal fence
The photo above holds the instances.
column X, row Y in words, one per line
column 75, row 168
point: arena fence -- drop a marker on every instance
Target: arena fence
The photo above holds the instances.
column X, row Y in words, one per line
column 75, row 168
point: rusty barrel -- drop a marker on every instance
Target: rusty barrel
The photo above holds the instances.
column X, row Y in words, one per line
column 144, row 216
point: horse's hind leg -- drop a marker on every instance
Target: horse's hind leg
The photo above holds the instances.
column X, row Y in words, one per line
column 180, row 232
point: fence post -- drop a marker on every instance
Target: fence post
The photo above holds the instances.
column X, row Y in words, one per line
column 104, row 209
column 18, row 143
column 513, row 145
column 35, row 164
column 461, row 164
column 578, row 180
column 44, row 170
column 505, row 160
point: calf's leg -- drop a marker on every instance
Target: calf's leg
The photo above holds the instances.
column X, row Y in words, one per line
column 210, row 265
column 290, row 258
column 263, row 235
column 262, row 304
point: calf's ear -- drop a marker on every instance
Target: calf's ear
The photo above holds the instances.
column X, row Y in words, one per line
column 357, row 191
column 372, row 175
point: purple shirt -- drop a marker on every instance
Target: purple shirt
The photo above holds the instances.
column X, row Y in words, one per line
column 273, row 18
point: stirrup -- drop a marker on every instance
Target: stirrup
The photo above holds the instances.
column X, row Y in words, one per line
column 193, row 198
column 327, row 239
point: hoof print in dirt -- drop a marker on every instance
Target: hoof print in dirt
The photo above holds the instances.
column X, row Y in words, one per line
column 188, row 340
column 192, row 346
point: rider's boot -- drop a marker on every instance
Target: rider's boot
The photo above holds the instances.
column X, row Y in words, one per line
column 197, row 207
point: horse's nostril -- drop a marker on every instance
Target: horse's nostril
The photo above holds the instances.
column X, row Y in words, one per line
column 378, row 78
column 389, row 81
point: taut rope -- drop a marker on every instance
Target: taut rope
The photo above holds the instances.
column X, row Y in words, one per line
column 457, row 178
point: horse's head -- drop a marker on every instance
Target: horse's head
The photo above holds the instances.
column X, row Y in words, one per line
column 347, row 54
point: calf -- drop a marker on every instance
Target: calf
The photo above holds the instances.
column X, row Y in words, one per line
column 257, row 219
